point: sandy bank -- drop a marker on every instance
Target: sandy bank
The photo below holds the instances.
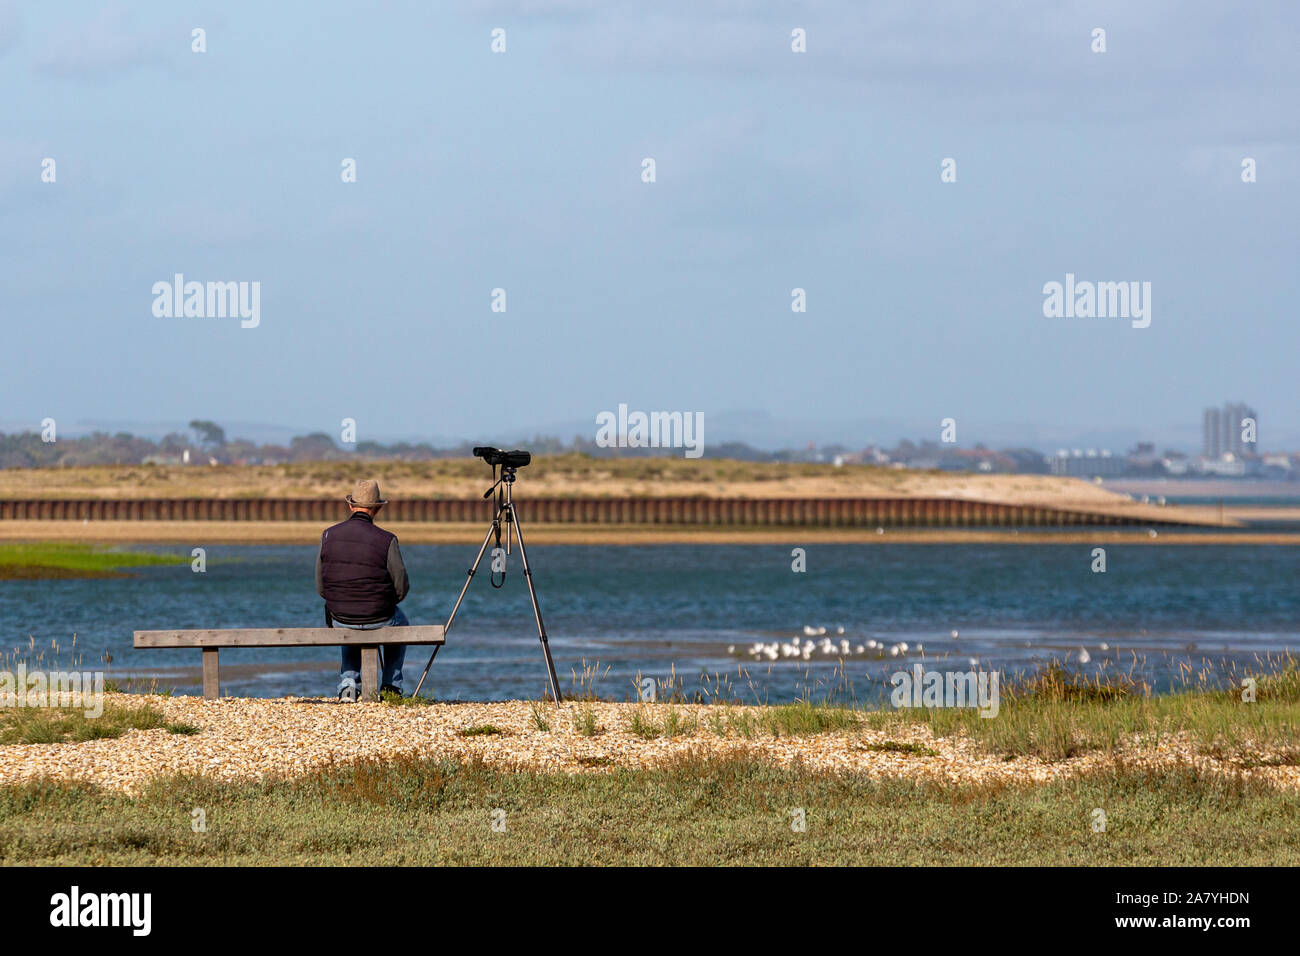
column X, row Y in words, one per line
column 558, row 476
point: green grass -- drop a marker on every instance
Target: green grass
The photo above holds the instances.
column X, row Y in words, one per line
column 53, row 725
column 51, row 559
column 482, row 730
column 895, row 747
column 694, row 811
column 1056, row 715
column 641, row 724
column 675, row 722
column 540, row 716
column 803, row 717
column 778, row 720
column 584, row 722
column 399, row 700
column 697, row 810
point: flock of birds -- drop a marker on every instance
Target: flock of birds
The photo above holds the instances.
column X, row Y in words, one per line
column 817, row 642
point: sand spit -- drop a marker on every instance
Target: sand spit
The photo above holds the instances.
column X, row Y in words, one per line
column 551, row 476
column 256, row 739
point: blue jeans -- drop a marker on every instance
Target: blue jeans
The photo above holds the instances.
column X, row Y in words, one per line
column 391, row 656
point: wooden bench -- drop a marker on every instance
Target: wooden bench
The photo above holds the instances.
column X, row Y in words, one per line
column 369, row 641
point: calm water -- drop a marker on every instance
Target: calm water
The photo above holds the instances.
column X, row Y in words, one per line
column 650, row 609
column 1235, row 501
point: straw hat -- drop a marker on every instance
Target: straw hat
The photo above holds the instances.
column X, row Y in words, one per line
column 365, row 494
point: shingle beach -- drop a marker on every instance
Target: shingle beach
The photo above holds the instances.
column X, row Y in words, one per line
column 259, row 739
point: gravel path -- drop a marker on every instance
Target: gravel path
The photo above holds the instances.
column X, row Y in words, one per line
column 249, row 738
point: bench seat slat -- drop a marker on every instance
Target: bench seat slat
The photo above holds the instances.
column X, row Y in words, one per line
column 290, row 636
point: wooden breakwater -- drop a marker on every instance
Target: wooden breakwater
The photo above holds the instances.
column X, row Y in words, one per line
column 696, row 511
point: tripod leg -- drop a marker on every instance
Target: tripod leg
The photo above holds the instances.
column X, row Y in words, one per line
column 496, row 522
column 537, row 611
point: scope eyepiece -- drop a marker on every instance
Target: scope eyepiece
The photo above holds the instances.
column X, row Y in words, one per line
column 507, row 459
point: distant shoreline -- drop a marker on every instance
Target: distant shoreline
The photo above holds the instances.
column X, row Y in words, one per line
column 197, row 533
column 1225, row 488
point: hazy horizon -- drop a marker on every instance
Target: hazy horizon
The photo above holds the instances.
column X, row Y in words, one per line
column 755, row 428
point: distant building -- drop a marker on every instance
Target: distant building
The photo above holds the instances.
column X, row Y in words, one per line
column 1175, row 463
column 1278, row 467
column 1221, row 430
column 1086, row 464
column 1227, row 466
column 1143, row 460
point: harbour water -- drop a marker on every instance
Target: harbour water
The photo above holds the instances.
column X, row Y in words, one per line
column 656, row 611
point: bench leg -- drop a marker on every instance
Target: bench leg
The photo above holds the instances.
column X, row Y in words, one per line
column 370, row 672
column 211, row 683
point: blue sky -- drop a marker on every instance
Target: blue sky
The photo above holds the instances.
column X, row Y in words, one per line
column 775, row 170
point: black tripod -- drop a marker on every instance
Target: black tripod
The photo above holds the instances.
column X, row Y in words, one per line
column 507, row 515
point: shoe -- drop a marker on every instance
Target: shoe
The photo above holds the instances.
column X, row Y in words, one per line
column 389, row 689
column 348, row 694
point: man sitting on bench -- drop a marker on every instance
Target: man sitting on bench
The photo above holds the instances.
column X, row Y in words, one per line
column 360, row 574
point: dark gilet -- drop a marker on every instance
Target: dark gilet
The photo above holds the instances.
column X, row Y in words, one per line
column 354, row 571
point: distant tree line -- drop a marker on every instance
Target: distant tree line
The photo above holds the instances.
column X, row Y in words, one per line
column 206, row 442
